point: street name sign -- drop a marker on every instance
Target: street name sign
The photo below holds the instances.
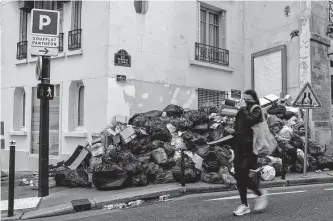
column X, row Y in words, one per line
column 44, row 39
column 307, row 99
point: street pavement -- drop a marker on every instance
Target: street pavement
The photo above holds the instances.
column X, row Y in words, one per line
column 299, row 203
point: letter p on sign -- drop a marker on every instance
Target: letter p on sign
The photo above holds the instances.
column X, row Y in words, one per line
column 44, row 22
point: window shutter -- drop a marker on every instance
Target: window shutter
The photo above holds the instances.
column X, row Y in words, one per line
column 210, row 97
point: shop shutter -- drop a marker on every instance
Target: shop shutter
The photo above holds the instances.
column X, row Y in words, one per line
column 208, row 97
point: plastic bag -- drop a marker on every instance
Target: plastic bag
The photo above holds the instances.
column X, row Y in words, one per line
column 324, row 162
column 192, row 139
column 226, row 176
column 211, row 177
column 140, row 180
column 196, row 116
column 285, row 134
column 216, row 134
column 173, row 110
column 140, row 145
column 97, row 149
column 108, row 177
column 315, row 148
column 164, row 177
column 151, row 169
column 71, row 178
column 263, row 140
column 190, row 175
column 169, row 149
column 160, row 132
column 276, row 163
column 145, row 157
column 159, row 156
column 268, row 173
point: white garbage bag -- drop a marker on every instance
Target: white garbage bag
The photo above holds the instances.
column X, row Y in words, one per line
column 267, row 173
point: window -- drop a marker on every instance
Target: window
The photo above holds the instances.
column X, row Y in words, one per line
column 80, row 112
column 76, row 15
column 212, row 27
column 59, row 6
column 332, row 89
column 76, row 106
column 19, row 109
column 23, row 25
column 208, row 97
column 22, row 45
column 210, row 46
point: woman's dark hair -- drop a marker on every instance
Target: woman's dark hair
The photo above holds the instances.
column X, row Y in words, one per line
column 253, row 95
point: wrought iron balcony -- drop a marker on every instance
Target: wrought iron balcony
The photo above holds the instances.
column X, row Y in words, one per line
column 61, row 42
column 21, row 52
column 211, row 54
column 74, row 39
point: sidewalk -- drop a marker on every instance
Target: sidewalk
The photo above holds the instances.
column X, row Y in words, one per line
column 63, row 200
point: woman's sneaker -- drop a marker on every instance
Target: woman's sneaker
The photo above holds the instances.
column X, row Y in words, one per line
column 261, row 201
column 242, row 210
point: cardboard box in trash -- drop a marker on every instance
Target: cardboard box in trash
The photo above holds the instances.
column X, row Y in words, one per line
column 127, row 135
column 34, row 183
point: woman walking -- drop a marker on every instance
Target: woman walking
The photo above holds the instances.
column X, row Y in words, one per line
column 245, row 159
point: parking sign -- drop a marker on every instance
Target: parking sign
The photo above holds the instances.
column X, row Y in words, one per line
column 44, row 32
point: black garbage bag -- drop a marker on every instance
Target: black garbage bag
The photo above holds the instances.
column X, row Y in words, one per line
column 296, row 141
column 164, row 177
column 315, row 148
column 109, row 177
column 196, row 117
column 151, row 169
column 188, row 162
column 111, row 154
column 144, row 157
column 160, row 132
column 140, row 180
column 141, row 118
column 184, row 124
column 193, row 139
column 169, row 164
column 313, row 163
column 208, row 110
column 140, row 145
column 157, row 144
column 324, row 162
column 71, row 178
column 173, row 110
column 159, row 156
column 125, row 156
column 190, row 175
column 211, row 177
column 223, row 154
column 169, row 149
column 216, row 134
column 263, row 161
column 211, row 165
column 133, row 167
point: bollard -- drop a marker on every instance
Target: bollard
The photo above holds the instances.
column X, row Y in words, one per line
column 11, row 179
column 283, row 175
column 182, row 169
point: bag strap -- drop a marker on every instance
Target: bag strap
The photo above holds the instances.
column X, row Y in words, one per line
column 262, row 113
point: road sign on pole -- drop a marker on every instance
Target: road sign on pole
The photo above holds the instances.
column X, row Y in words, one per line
column 307, row 99
column 44, row 32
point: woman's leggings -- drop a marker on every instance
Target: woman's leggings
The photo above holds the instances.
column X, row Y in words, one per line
column 242, row 169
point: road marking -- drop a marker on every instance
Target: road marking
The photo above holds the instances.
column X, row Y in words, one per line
column 250, row 196
column 329, row 189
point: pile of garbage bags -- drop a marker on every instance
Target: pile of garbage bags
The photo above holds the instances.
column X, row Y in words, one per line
column 148, row 149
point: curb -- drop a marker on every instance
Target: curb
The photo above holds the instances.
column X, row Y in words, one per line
column 98, row 202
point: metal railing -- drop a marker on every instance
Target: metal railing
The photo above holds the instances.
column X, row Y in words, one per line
column 61, row 42
column 21, row 52
column 211, row 54
column 74, row 39
column 329, row 31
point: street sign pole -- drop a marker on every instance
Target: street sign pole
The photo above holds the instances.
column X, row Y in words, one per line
column 306, row 143
column 43, row 176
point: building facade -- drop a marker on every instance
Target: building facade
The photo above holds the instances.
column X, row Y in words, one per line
column 181, row 52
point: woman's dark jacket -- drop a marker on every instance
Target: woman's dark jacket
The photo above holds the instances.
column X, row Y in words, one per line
column 243, row 131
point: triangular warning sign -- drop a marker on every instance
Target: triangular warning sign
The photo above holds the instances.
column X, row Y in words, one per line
column 307, row 99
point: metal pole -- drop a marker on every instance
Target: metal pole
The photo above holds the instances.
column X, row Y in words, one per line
column 43, row 176
column 306, row 143
column 182, row 168
column 283, row 175
column 11, row 179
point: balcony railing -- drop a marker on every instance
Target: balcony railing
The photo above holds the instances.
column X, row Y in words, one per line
column 74, row 39
column 61, row 42
column 211, row 54
column 21, row 52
